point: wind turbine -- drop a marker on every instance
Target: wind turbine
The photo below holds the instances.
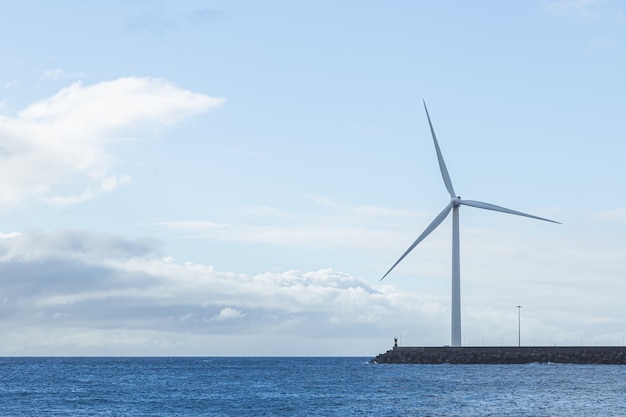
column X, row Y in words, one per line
column 453, row 205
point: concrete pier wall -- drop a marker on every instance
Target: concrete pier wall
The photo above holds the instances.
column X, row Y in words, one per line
column 504, row 355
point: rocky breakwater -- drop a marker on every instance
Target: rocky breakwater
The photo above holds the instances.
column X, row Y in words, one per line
column 504, row 355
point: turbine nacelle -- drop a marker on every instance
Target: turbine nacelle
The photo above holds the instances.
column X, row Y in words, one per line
column 456, row 201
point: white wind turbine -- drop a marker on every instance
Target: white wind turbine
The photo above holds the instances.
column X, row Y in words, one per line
column 454, row 205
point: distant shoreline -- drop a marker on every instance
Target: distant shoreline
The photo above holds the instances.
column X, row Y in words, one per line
column 608, row 355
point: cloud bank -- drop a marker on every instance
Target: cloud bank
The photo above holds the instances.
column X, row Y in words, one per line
column 74, row 292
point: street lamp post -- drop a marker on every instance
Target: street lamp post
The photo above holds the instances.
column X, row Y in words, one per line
column 519, row 328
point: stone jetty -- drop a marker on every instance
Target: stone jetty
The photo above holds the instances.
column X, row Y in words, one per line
column 609, row 355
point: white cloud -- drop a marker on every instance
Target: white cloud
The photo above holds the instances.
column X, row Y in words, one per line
column 59, row 149
column 313, row 234
column 52, row 74
column 227, row 314
column 584, row 9
column 57, row 74
column 341, row 226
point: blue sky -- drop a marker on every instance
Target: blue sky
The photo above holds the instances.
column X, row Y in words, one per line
column 233, row 178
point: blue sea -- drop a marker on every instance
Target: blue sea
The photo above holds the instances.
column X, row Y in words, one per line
column 303, row 387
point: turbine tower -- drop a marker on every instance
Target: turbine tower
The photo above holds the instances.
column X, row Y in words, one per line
column 455, row 203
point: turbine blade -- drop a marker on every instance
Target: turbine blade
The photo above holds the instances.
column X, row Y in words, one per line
column 442, row 164
column 432, row 226
column 488, row 206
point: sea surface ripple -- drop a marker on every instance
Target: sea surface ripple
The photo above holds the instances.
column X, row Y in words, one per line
column 303, row 387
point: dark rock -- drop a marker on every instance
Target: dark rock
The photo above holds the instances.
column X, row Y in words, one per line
column 504, row 355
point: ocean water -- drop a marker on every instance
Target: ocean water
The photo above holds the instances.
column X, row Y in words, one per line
column 303, row 387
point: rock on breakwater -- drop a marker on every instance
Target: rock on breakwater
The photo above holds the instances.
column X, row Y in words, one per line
column 610, row 355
